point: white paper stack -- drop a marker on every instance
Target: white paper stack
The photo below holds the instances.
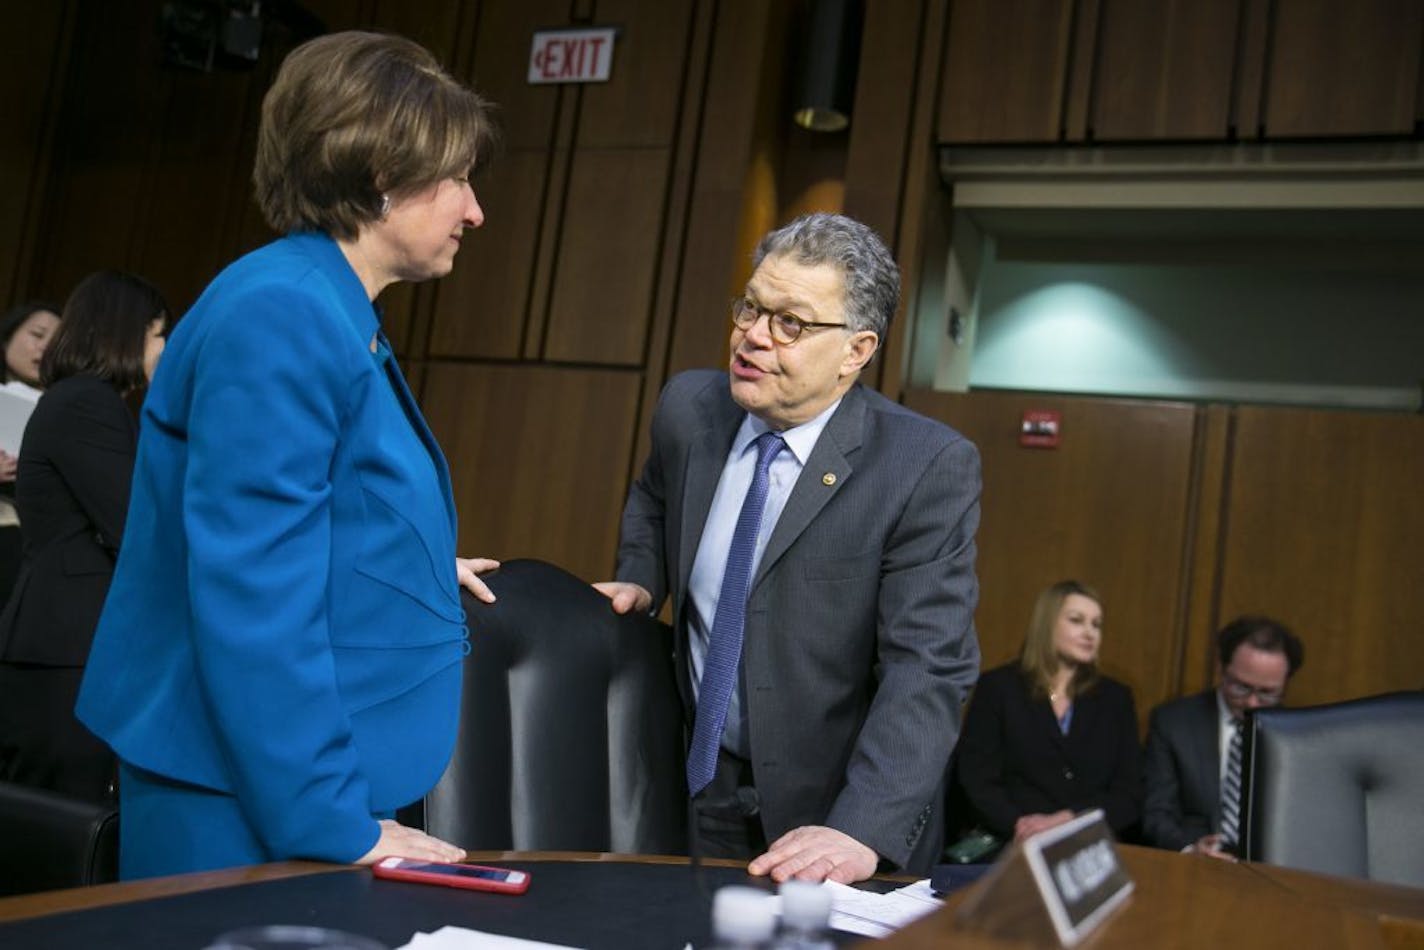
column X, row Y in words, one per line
column 17, row 401
column 879, row 915
column 461, row 938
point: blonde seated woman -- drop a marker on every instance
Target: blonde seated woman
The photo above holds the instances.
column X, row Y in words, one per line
column 1049, row 736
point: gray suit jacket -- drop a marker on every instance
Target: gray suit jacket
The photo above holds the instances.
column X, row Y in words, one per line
column 859, row 645
column 1182, row 773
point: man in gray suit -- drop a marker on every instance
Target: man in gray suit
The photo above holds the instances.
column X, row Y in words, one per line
column 817, row 541
column 1189, row 741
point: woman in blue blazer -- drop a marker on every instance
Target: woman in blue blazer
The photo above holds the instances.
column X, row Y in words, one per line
column 278, row 662
column 1048, row 736
column 73, row 491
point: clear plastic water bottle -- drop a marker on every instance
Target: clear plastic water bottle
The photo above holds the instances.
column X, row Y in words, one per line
column 805, row 917
column 743, row 918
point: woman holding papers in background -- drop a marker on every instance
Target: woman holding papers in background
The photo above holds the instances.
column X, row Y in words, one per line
column 278, row 664
column 25, row 331
column 72, row 492
column 1049, row 735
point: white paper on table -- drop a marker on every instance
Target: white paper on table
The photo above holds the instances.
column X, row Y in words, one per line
column 879, row 915
column 461, row 938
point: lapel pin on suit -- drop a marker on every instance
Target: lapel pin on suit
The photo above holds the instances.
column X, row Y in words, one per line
column 828, row 479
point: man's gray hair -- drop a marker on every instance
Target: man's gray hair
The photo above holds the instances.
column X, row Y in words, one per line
column 872, row 281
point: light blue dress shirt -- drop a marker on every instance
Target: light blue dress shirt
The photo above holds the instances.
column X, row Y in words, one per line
column 705, row 586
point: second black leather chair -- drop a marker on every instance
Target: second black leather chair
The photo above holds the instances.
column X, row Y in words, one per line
column 571, row 727
column 1339, row 789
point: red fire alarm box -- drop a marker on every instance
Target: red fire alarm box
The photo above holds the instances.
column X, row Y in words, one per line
column 1040, row 429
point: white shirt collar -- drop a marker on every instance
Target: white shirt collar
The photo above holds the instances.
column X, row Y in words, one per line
column 1223, row 711
column 800, row 439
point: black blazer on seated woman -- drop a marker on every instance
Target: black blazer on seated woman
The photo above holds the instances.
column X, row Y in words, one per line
column 1013, row 760
column 72, row 490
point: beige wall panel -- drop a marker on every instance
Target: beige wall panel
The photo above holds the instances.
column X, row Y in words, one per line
column 702, row 324
column 1107, row 508
column 33, row 58
column 1208, row 519
column 482, row 306
column 202, row 166
column 713, row 264
column 1251, row 55
column 922, row 221
column 1343, row 68
column 884, row 103
column 1324, row 522
column 1005, row 70
column 402, row 305
column 607, row 253
column 434, row 24
column 638, row 106
column 539, row 458
column 501, row 67
column 1082, row 60
column 105, row 142
column 1164, row 69
column 344, row 14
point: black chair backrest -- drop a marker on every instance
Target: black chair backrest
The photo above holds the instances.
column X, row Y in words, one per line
column 1339, row 789
column 570, row 729
column 50, row 841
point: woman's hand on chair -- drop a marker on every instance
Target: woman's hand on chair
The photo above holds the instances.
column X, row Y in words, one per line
column 468, row 571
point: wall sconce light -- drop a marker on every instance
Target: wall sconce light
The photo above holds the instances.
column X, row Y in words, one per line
column 830, row 56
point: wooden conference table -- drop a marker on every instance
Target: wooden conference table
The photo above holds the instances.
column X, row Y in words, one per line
column 630, row 901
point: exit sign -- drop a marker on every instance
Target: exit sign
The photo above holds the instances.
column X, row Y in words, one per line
column 571, row 55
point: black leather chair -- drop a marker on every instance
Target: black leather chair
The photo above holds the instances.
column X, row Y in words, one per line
column 50, row 841
column 571, row 727
column 1339, row 789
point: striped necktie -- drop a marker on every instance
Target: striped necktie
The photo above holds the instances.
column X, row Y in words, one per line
column 724, row 646
column 1231, row 790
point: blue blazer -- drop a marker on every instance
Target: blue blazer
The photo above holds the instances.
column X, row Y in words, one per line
column 284, row 624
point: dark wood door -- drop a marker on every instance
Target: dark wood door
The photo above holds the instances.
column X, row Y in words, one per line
column 1005, row 71
column 1343, row 68
column 1164, row 70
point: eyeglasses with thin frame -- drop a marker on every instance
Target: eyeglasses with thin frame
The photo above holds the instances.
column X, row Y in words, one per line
column 786, row 327
column 1239, row 690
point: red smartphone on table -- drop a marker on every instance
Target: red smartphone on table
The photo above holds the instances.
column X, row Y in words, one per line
column 473, row 877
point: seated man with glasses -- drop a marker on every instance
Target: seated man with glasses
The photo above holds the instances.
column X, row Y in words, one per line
column 817, row 542
column 1193, row 759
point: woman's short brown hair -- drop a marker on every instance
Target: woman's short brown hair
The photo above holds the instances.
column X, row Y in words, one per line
column 352, row 116
column 1039, row 658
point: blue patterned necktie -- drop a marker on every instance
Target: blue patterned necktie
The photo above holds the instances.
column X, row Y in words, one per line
column 1231, row 790
column 724, row 648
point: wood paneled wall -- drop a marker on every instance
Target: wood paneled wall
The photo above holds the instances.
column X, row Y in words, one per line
column 1109, row 507
column 1324, row 519
column 1020, row 71
column 620, row 216
column 28, row 112
column 1185, row 517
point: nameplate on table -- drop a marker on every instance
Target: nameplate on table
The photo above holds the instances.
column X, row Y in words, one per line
column 1079, row 875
